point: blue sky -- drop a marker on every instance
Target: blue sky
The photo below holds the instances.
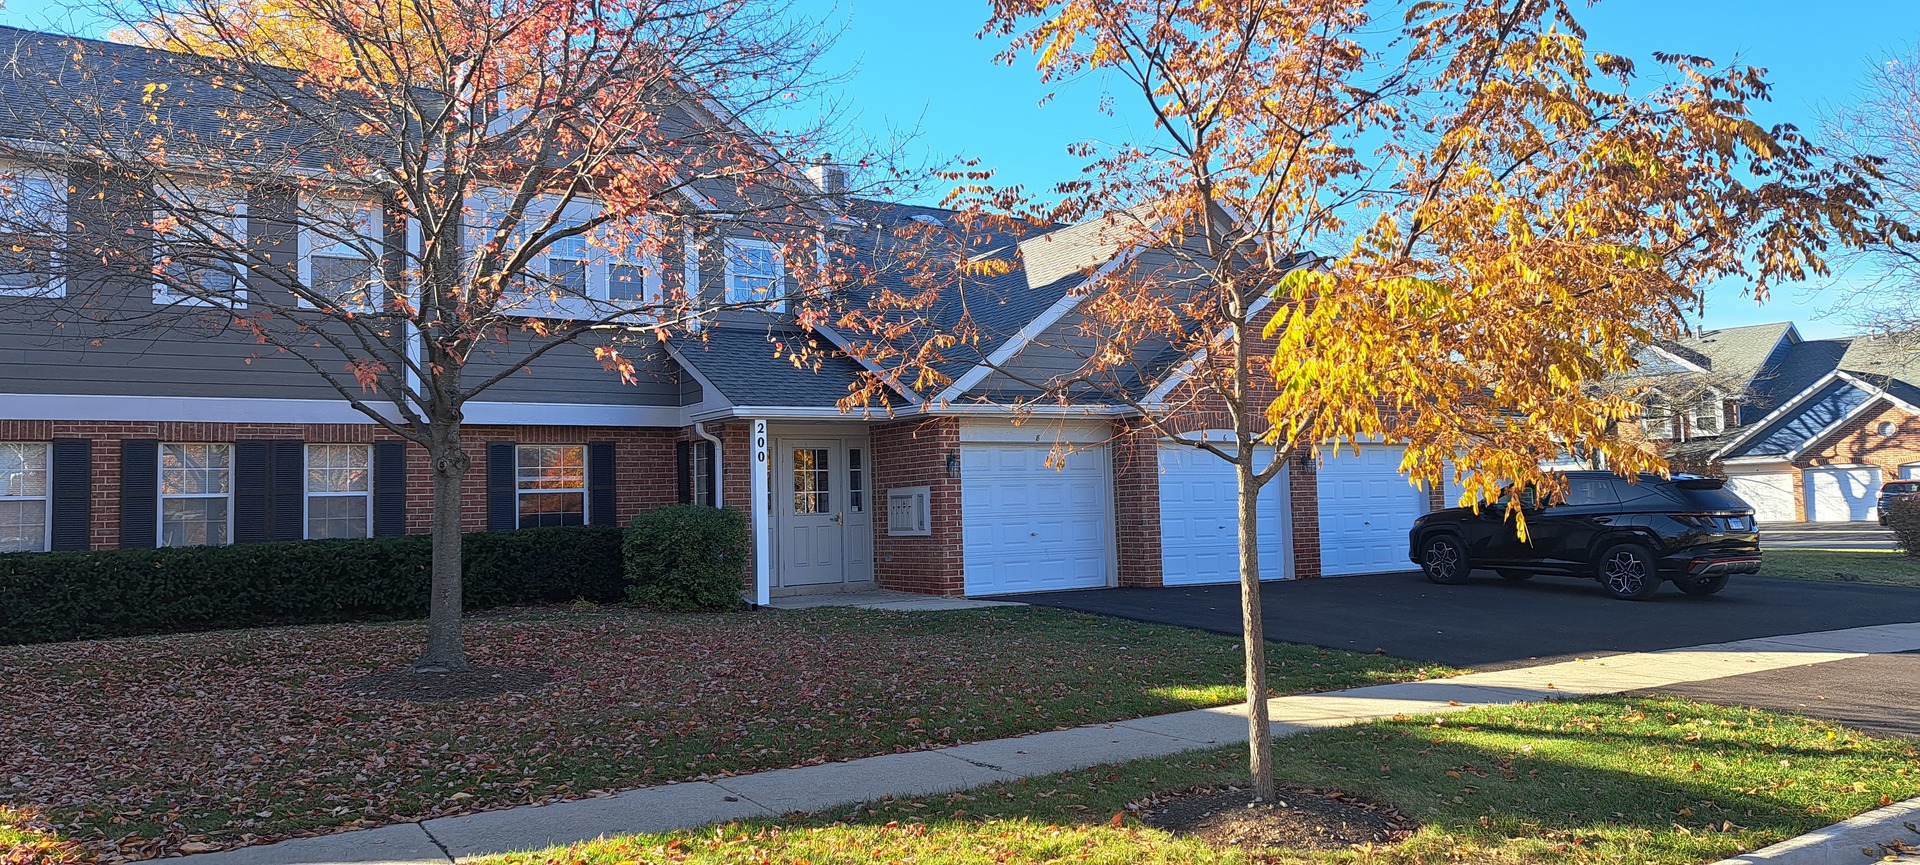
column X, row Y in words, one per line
column 917, row 65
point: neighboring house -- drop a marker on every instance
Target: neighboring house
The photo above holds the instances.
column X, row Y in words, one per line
column 1809, row 429
column 183, row 434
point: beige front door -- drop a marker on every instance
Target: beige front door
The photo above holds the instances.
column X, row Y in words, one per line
column 820, row 496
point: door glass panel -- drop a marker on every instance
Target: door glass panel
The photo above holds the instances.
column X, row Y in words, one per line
column 856, row 481
column 810, row 472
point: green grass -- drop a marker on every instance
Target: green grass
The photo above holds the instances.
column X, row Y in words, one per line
column 1611, row 780
column 143, row 746
column 1879, row 567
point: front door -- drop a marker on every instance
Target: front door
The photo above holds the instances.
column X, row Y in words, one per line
column 825, row 531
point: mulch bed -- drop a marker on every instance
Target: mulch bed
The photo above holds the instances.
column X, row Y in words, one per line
column 1297, row 819
column 472, row 683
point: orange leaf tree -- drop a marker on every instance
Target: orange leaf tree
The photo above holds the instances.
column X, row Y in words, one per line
column 1435, row 225
column 459, row 161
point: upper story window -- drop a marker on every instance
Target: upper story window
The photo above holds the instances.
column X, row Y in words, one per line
column 24, row 472
column 340, row 244
column 1657, row 418
column 33, row 223
column 1708, row 417
column 592, row 273
column 199, row 246
column 196, row 494
column 756, row 271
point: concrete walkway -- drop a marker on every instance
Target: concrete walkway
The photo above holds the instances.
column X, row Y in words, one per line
column 883, row 599
column 815, row 788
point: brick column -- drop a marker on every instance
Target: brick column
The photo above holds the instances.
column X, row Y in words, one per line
column 1136, row 504
column 1303, row 491
column 912, row 454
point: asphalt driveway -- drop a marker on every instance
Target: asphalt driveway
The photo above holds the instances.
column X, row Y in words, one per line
column 1877, row 693
column 1490, row 624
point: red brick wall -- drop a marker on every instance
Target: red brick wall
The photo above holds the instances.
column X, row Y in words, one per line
column 1303, row 488
column 644, row 471
column 1136, row 503
column 1859, row 442
column 912, row 454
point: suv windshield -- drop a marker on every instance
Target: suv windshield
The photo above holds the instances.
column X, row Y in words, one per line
column 1901, row 488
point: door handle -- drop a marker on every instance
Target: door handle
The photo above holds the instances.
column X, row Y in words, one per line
column 837, row 519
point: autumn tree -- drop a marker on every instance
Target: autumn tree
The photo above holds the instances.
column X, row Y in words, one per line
column 1432, row 225
column 480, row 183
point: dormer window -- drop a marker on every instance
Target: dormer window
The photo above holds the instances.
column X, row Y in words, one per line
column 1708, row 417
column 756, row 272
column 1656, row 420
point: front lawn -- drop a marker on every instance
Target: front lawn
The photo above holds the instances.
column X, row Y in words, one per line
column 153, row 745
column 1612, row 780
column 1881, row 567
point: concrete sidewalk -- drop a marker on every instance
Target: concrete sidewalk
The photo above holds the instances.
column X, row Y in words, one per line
column 815, row 788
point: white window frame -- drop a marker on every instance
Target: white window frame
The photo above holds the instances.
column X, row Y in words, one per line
column 598, row 301
column 1710, row 404
column 56, row 192
column 586, row 473
column 1657, row 428
column 776, row 294
column 205, row 198
column 45, row 498
column 307, row 492
column 373, row 232
column 161, row 494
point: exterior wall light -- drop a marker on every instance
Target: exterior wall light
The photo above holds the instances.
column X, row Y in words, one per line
column 953, row 465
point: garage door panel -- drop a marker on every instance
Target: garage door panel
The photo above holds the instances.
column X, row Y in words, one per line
column 1771, row 496
column 1842, row 494
column 1366, row 509
column 1029, row 527
column 1199, row 521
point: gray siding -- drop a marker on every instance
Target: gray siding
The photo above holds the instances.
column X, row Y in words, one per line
column 108, row 337
column 571, row 374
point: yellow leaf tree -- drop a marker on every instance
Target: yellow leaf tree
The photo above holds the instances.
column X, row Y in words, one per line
column 1434, row 225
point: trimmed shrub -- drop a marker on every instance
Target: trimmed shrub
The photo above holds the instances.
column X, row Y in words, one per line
column 1903, row 517
column 117, row 593
column 687, row 557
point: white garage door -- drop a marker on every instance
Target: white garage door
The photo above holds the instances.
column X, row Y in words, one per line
column 1837, row 495
column 1030, row 527
column 1199, row 520
column 1366, row 509
column 1771, row 496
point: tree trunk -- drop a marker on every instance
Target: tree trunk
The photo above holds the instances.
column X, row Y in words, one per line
column 445, row 650
column 1254, row 634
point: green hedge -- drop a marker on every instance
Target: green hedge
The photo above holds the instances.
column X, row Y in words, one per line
column 1903, row 517
column 687, row 558
column 116, row 593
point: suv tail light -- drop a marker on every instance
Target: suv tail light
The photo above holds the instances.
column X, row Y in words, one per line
column 1724, row 523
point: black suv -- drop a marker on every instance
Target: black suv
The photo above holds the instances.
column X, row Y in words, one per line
column 1629, row 534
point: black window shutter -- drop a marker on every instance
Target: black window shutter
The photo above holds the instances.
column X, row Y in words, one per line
column 72, row 493
column 713, row 474
column 139, row 493
column 252, row 491
column 287, row 487
column 503, row 509
column 683, row 470
column 389, row 489
column 600, row 503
